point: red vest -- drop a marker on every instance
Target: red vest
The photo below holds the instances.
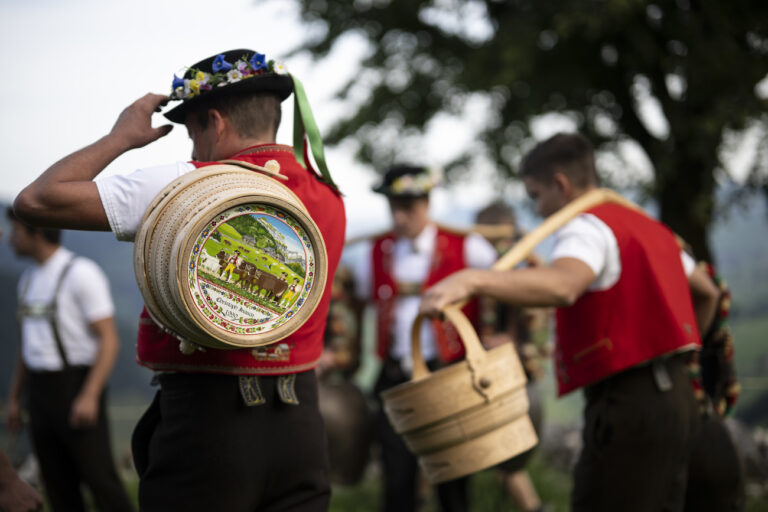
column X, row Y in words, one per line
column 646, row 314
column 448, row 257
column 301, row 350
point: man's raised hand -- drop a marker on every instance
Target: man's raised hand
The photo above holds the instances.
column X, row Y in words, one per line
column 134, row 125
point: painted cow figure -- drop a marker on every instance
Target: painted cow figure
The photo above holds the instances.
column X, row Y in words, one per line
column 246, row 274
column 222, row 257
column 273, row 286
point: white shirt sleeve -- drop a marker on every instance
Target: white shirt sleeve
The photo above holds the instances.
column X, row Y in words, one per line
column 582, row 240
column 127, row 197
column 689, row 264
column 90, row 288
column 590, row 240
column 478, row 252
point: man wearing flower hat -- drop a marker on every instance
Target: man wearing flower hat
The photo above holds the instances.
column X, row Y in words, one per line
column 233, row 430
column 400, row 265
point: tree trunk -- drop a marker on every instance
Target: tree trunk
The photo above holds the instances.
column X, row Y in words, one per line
column 686, row 194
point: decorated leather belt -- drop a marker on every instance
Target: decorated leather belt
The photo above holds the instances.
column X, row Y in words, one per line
column 409, row 289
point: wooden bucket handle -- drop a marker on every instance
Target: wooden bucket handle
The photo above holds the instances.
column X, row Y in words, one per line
column 475, row 352
column 473, row 347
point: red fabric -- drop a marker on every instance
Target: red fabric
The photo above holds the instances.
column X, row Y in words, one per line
column 647, row 313
column 448, row 258
column 160, row 351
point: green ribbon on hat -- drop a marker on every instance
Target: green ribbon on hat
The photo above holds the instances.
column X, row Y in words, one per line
column 304, row 122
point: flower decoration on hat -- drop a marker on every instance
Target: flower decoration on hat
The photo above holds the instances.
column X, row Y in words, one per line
column 224, row 73
column 258, row 61
column 219, row 64
column 417, row 184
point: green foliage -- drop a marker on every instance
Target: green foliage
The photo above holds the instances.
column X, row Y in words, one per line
column 247, row 225
column 749, row 336
column 229, row 231
column 298, row 269
column 597, row 63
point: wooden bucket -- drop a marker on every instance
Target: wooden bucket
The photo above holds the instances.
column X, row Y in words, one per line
column 465, row 417
column 228, row 258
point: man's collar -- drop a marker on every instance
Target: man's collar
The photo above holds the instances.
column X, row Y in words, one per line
column 60, row 254
column 425, row 240
column 260, row 148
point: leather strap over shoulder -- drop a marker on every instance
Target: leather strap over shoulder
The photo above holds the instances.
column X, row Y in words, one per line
column 271, row 168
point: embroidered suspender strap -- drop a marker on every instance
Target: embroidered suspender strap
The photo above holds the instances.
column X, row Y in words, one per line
column 286, row 389
column 304, row 122
column 250, row 390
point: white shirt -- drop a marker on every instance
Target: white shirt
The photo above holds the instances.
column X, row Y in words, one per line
column 411, row 262
column 127, row 197
column 589, row 239
column 83, row 298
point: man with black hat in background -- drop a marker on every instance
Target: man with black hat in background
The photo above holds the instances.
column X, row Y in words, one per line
column 229, row 430
column 400, row 265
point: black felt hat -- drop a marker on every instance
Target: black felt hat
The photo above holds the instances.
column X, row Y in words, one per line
column 408, row 181
column 232, row 72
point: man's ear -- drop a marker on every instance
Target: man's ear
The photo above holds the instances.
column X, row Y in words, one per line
column 217, row 121
column 563, row 184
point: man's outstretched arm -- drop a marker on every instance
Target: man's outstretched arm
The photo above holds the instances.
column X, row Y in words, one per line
column 65, row 195
column 558, row 284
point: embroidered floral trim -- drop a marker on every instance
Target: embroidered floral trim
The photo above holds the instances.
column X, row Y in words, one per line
column 224, row 73
column 417, row 184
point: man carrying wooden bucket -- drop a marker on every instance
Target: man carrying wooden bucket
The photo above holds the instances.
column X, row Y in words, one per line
column 234, row 430
column 629, row 304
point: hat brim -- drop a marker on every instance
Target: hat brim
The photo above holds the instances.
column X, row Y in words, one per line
column 281, row 85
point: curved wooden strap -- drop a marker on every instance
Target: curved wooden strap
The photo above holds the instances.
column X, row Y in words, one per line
column 528, row 243
column 272, row 173
column 525, row 246
column 475, row 353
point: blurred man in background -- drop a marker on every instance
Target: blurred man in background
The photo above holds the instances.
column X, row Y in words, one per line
column 68, row 348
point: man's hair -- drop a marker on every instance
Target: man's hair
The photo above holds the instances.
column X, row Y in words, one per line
column 51, row 235
column 496, row 213
column 252, row 115
column 568, row 153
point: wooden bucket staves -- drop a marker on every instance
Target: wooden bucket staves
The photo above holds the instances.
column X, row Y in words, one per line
column 228, row 258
